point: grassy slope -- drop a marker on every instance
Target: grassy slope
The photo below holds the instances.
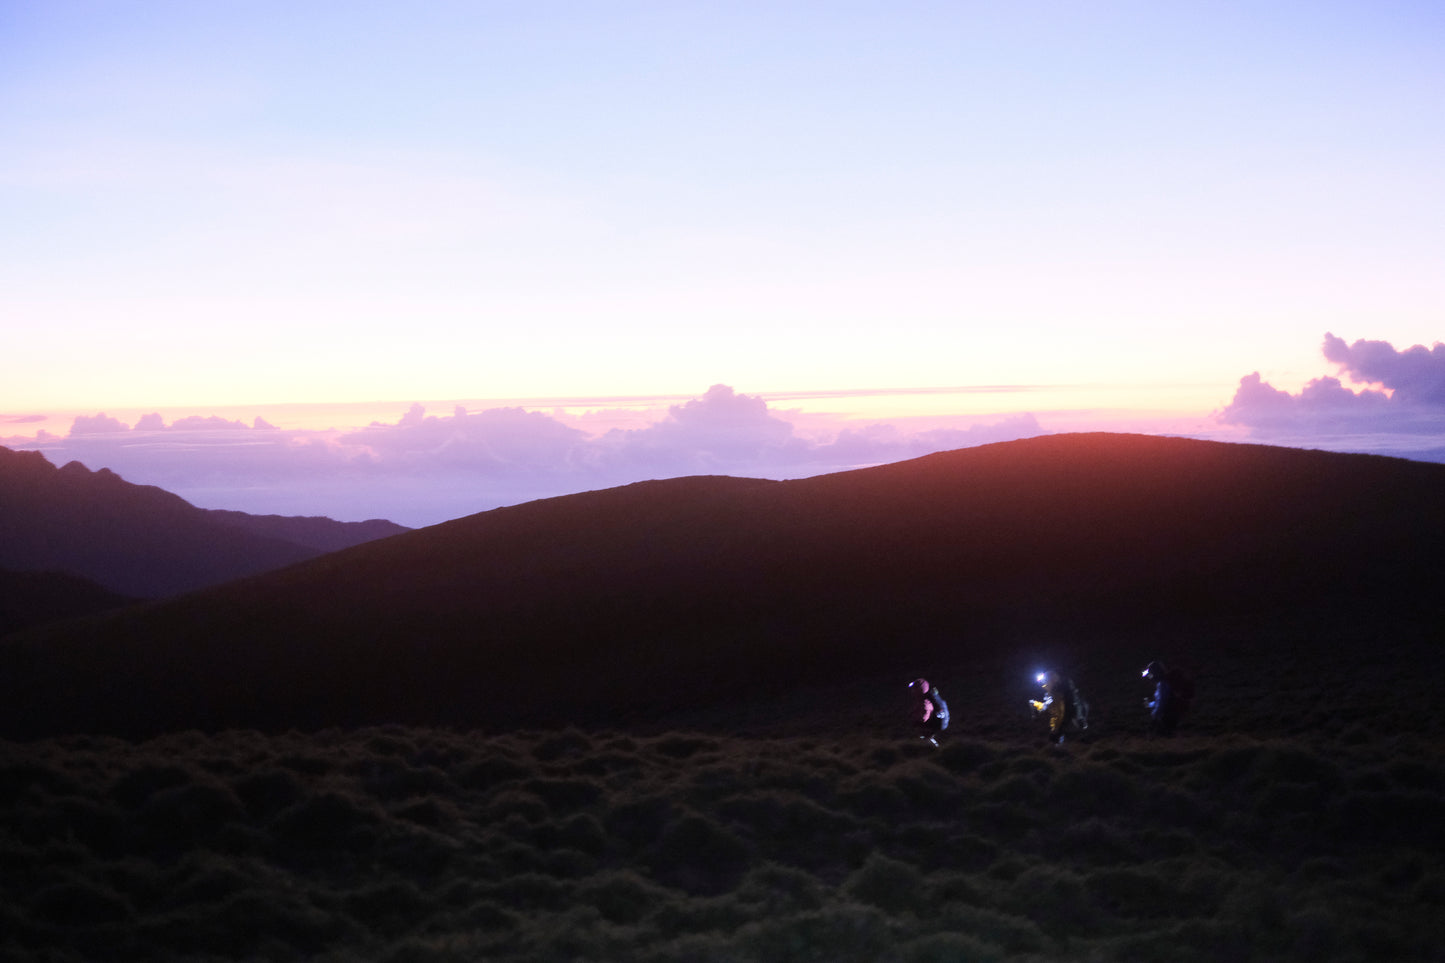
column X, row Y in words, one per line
column 640, row 601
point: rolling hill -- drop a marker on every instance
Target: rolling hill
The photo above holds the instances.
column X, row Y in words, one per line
column 33, row 598
column 143, row 542
column 691, row 594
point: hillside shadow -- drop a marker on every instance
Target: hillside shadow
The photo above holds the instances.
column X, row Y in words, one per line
column 637, row 604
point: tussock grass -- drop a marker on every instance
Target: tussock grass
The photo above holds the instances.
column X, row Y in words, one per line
column 427, row 844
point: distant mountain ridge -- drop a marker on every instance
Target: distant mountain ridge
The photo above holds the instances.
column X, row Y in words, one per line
column 659, row 596
column 320, row 533
column 141, row 541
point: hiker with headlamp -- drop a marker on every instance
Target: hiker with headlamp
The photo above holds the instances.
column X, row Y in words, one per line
column 930, row 712
column 1066, row 709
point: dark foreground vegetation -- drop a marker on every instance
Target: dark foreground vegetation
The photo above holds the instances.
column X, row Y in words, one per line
column 1303, row 839
column 402, row 844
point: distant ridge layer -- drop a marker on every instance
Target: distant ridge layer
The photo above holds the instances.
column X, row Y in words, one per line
column 141, row 541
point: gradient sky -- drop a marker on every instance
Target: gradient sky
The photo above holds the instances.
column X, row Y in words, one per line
column 1108, row 206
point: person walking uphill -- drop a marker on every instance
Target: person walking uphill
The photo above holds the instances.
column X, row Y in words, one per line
column 1173, row 691
column 1065, row 707
column 930, row 712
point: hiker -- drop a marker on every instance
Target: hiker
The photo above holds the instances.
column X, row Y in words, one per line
column 1066, row 708
column 1172, row 692
column 930, row 712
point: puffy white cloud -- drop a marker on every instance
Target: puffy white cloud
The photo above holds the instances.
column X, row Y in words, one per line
column 495, row 438
column 1399, row 408
column 101, row 424
column 1323, row 402
column 722, row 431
column 1415, row 376
column 1411, row 398
column 212, row 423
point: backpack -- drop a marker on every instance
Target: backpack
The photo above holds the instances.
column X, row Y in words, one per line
column 1183, row 688
column 940, row 708
column 1081, row 708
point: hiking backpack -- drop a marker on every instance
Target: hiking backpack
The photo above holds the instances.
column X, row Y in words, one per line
column 1081, row 708
column 940, row 708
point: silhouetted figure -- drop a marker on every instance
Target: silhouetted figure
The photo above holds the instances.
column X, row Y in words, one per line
column 1172, row 694
column 930, row 712
column 1067, row 711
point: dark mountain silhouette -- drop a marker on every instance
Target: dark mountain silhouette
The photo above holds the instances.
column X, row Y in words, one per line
column 662, row 596
column 142, row 541
column 31, row 598
column 318, row 532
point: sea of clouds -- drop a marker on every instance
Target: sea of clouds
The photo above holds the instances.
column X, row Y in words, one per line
column 424, row 467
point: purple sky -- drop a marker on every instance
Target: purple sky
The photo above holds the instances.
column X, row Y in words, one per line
column 880, row 229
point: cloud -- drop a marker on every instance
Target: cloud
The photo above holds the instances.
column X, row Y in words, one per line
column 1415, row 376
column 1409, row 401
column 1323, row 402
column 496, row 438
column 730, row 433
column 101, row 424
column 427, row 468
column 884, row 442
column 154, row 422
column 213, row 423
column 720, row 432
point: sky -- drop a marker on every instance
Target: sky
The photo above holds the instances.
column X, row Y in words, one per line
column 419, row 260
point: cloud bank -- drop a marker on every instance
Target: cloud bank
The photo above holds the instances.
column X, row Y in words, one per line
column 427, row 468
column 424, row 468
column 1398, row 408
